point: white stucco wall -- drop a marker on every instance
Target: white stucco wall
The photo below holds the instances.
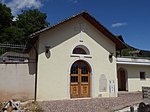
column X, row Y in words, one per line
column 134, row 83
column 54, row 67
column 16, row 81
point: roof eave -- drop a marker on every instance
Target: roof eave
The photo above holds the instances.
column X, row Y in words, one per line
column 119, row 45
column 30, row 43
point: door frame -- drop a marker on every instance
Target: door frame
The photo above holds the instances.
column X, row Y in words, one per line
column 92, row 90
column 79, row 85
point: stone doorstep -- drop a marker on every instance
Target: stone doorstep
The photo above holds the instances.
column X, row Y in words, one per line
column 81, row 98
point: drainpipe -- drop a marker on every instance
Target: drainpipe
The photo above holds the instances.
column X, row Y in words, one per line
column 35, row 91
column 36, row 69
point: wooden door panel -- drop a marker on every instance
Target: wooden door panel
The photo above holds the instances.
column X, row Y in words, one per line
column 84, row 90
column 74, row 91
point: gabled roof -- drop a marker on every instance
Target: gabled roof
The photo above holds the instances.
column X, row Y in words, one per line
column 119, row 44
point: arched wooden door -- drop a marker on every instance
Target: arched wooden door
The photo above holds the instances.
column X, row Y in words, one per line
column 80, row 80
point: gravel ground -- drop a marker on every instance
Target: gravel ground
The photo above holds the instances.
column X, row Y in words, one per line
column 93, row 104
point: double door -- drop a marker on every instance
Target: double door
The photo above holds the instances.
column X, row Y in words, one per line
column 80, row 80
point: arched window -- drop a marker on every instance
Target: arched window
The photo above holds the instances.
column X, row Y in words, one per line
column 80, row 49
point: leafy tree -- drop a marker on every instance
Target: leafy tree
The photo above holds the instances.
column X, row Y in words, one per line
column 31, row 21
column 17, row 32
column 12, row 35
column 5, row 16
column 5, row 20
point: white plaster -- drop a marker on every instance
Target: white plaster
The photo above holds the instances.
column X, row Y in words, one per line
column 68, row 86
column 79, row 55
column 81, row 36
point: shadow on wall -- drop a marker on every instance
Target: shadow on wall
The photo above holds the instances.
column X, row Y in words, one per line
column 32, row 67
column 137, row 75
column 48, row 54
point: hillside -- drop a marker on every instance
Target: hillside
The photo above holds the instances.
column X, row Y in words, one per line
column 132, row 51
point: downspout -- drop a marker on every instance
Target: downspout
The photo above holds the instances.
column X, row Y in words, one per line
column 36, row 69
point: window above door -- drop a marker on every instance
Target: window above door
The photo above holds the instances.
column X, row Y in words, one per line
column 81, row 50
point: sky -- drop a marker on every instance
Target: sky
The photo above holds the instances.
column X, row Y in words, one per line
column 129, row 18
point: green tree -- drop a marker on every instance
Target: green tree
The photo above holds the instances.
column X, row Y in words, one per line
column 5, row 20
column 12, row 35
column 17, row 32
column 31, row 21
column 5, row 16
